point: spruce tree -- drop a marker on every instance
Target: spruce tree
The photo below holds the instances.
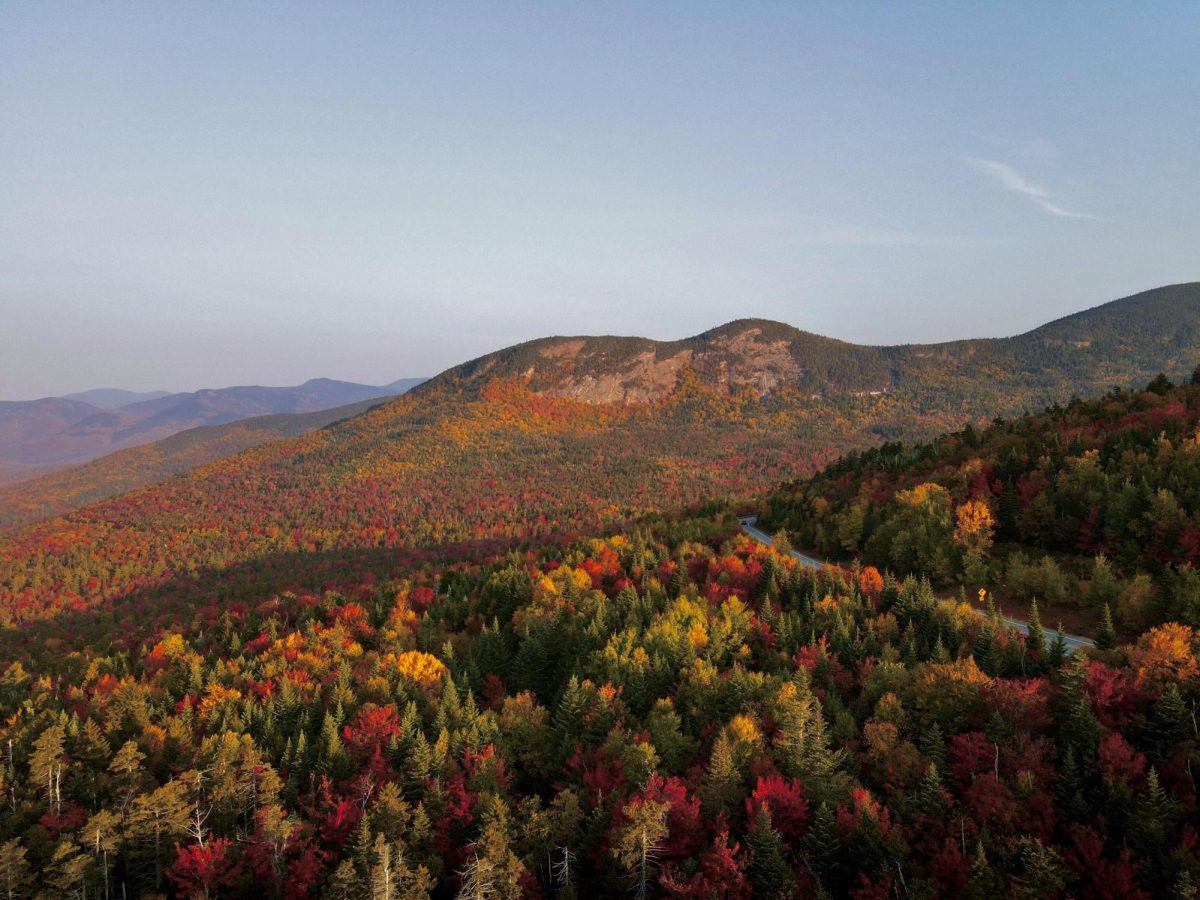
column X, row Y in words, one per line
column 931, row 799
column 769, row 872
column 1106, row 634
column 822, row 845
column 1035, row 639
column 1058, row 649
column 1170, row 723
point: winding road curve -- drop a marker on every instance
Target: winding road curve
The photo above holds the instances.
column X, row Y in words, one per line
column 749, row 526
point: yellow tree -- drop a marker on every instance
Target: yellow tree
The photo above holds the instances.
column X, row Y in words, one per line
column 973, row 526
column 638, row 843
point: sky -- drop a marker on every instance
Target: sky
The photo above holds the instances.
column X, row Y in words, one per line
column 206, row 194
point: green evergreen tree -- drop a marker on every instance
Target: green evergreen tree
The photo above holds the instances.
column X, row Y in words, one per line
column 1058, row 649
column 769, row 872
column 1106, row 634
column 822, row 846
column 1035, row 639
column 1170, row 722
column 931, row 798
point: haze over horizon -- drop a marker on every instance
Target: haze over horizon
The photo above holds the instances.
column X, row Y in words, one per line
column 201, row 197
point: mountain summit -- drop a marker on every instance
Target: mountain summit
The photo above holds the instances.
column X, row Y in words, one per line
column 1127, row 340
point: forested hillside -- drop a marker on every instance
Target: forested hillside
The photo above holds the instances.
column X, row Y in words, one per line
column 819, row 396
column 37, row 436
column 671, row 711
column 467, row 644
column 1094, row 504
column 59, row 492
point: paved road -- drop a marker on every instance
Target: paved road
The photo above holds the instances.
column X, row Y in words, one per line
column 1074, row 641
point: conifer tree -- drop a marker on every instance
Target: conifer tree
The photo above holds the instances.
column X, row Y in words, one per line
column 1042, row 873
column 494, row 870
column 67, row 873
column 982, row 883
column 639, row 842
column 723, row 782
column 568, row 718
column 1170, row 722
column 1035, row 638
column 1058, row 649
column 46, row 765
column 1106, row 634
column 333, row 759
column 101, row 837
column 821, row 845
column 769, row 872
column 931, row 799
column 14, row 870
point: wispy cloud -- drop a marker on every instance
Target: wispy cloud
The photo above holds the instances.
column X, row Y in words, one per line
column 859, row 236
column 1014, row 181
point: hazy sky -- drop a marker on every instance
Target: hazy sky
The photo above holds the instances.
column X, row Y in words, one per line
column 227, row 193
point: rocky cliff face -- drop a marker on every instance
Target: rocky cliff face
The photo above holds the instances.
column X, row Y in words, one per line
column 750, row 354
column 1124, row 342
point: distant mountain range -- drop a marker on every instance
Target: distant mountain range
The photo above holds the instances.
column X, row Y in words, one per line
column 112, row 398
column 730, row 412
column 59, row 492
column 39, row 436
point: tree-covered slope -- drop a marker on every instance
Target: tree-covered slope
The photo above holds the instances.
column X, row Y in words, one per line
column 59, row 492
column 672, row 710
column 1092, row 504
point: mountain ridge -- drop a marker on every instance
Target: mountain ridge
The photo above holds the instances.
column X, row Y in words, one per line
column 37, row 436
column 820, row 396
column 1123, row 338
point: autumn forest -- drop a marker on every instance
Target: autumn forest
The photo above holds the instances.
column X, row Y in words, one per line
column 497, row 638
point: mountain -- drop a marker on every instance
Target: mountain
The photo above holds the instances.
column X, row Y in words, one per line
column 53, row 433
column 1121, row 342
column 113, row 398
column 504, row 450
column 466, row 642
column 59, row 492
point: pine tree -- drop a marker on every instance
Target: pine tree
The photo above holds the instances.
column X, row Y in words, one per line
column 723, row 784
column 101, row 837
column 333, row 759
column 639, row 842
column 14, row 870
column 1035, row 639
column 804, row 739
column 769, row 872
column 986, row 649
column 982, row 883
column 1106, row 634
column 1042, row 873
column 1058, row 649
column 67, row 872
column 1070, row 787
column 47, row 763
column 391, row 876
column 933, row 746
column 940, row 653
column 346, row 883
column 494, row 870
column 127, row 771
column 155, row 821
column 931, row 798
column 1170, row 723
column 821, row 845
column 1185, row 884
column 568, row 718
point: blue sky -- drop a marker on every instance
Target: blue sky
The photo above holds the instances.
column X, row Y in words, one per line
column 217, row 193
